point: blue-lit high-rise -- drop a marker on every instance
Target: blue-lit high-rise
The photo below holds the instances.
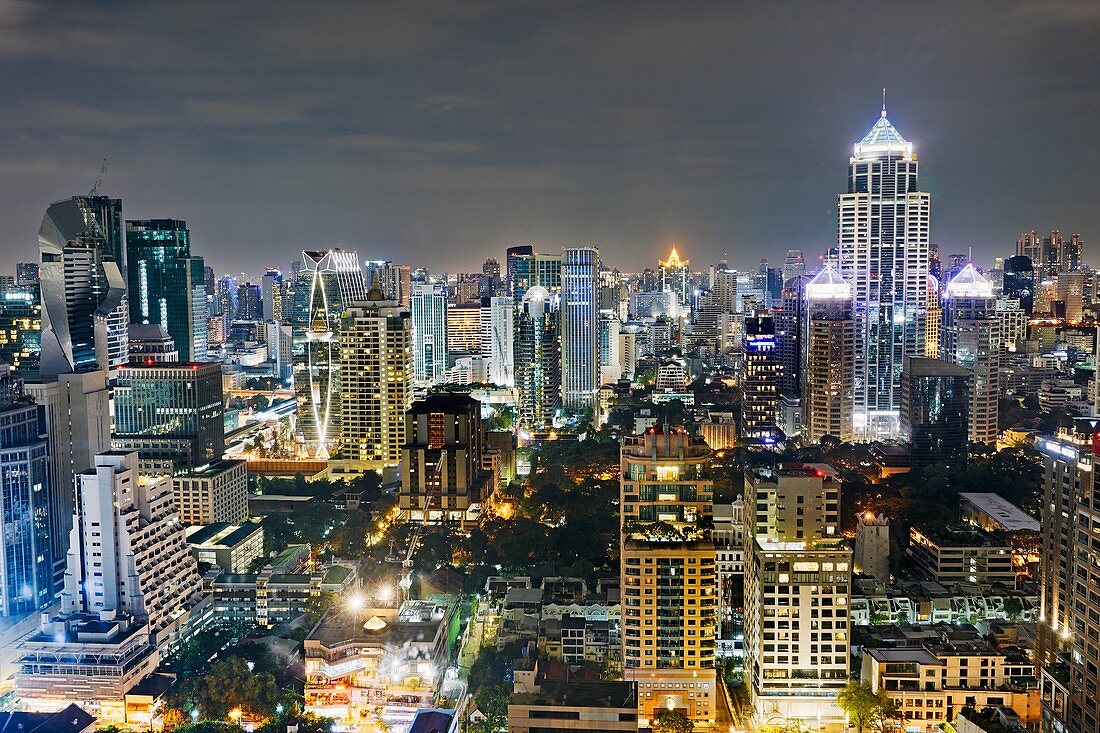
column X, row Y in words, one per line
column 26, row 565
column 883, row 245
column 167, row 285
column 580, row 323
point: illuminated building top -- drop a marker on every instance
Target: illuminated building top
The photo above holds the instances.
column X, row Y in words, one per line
column 828, row 285
column 883, row 140
column 673, row 262
column 969, row 283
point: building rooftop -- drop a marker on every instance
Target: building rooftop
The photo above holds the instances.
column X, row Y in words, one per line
column 587, row 694
column 917, row 655
column 72, row 719
column 1007, row 514
column 447, row 402
column 921, row 367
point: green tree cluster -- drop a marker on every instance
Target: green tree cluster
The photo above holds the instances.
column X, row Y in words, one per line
column 867, row 708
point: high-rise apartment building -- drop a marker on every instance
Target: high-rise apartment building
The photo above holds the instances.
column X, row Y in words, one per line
column 935, row 403
column 429, row 329
column 327, row 283
column 580, row 320
column 497, row 339
column 167, row 285
column 83, row 291
column 214, row 492
column 76, row 408
column 21, row 328
column 1052, row 254
column 970, row 337
column 789, row 315
column 442, row 479
column 676, row 278
column 26, row 562
column 131, row 587
column 1019, row 282
column 883, row 243
column 171, row 411
column 375, row 380
column 669, row 587
column 387, row 278
column 759, row 380
column 797, row 592
column 537, row 358
column 464, row 328
column 1068, row 626
column 794, row 264
column 829, row 355
column 271, row 290
column 250, row 303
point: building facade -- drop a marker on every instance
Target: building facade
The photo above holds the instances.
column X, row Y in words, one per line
column 970, row 337
column 580, row 320
column 828, row 374
column 429, row 331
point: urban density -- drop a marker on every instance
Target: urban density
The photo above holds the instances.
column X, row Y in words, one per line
column 846, row 487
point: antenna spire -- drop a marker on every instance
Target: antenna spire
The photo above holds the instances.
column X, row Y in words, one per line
column 884, row 101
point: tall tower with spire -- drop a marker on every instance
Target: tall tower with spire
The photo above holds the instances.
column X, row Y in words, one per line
column 883, row 248
column 676, row 277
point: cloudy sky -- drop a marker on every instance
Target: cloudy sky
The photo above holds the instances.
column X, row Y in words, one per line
column 440, row 133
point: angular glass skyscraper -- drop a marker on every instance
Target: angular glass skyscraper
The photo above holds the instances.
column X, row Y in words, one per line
column 883, row 254
column 167, row 285
column 429, row 330
column 83, row 291
column 580, row 323
column 26, row 565
column 537, row 356
column 327, row 283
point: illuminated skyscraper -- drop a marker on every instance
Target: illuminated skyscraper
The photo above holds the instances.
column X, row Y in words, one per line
column 167, row 285
column 497, row 336
column 272, row 295
column 883, row 244
column 429, row 330
column 669, row 582
column 375, row 380
column 676, row 278
column 327, row 283
column 21, row 328
column 828, row 373
column 537, row 358
column 759, row 380
column 1019, row 282
column 580, row 321
column 83, row 292
column 970, row 337
column 531, row 269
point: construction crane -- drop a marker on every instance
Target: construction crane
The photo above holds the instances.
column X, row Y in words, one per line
column 405, row 583
column 99, row 180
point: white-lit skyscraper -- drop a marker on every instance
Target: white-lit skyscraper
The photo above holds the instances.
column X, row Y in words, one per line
column 970, row 336
column 828, row 356
column 883, row 246
column 537, row 358
column 580, row 321
column 428, row 305
column 497, row 336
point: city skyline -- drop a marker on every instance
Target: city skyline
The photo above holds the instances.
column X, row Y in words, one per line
column 518, row 142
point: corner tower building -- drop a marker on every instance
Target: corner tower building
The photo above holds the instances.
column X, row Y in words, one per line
column 883, row 250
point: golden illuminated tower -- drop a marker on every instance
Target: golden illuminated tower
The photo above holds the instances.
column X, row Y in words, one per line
column 676, row 277
column 668, row 573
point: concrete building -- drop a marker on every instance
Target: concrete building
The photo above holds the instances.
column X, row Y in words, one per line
column 994, row 513
column 872, row 547
column 77, row 415
column 537, row 352
column 797, row 591
column 132, row 592
column 960, row 555
column 668, row 574
column 464, row 328
column 214, row 492
column 497, row 338
column 442, row 479
column 275, row 596
column 759, row 380
column 576, row 705
column 375, row 382
column 829, row 358
column 231, row 547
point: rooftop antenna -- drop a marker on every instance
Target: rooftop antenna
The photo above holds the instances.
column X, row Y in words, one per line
column 884, row 101
column 99, row 180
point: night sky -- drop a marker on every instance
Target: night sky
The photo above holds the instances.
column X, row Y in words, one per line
column 440, row 133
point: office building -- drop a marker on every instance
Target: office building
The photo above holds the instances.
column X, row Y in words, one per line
column 429, row 331
column 271, row 294
column 131, row 587
column 790, row 316
column 375, row 380
column 511, row 259
column 170, row 411
column 970, row 337
column 151, row 343
column 580, row 368
column 328, row 282
column 26, row 562
column 464, row 328
column 883, row 244
column 759, row 380
column 797, row 592
column 76, row 408
column 26, row 274
column 533, row 269
column 1020, row 282
column 935, row 405
column 497, row 338
column 234, row 548
column 21, row 328
column 669, row 587
column 214, row 492
column 960, row 554
column 387, row 278
column 442, row 479
column 828, row 374
column 82, row 289
column 250, row 304
column 675, row 277
column 537, row 358
column 167, row 286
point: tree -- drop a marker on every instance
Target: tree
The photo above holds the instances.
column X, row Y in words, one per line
column 859, row 701
column 672, row 721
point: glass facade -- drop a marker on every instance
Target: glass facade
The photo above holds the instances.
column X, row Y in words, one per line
column 167, row 286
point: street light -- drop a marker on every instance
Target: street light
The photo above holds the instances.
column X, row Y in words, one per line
column 194, row 715
column 235, row 715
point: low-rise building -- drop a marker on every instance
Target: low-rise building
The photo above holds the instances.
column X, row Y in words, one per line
column 960, row 555
column 268, row 598
column 214, row 492
column 578, row 706
column 231, row 547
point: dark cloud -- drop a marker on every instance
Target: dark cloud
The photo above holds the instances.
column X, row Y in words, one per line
column 441, row 132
